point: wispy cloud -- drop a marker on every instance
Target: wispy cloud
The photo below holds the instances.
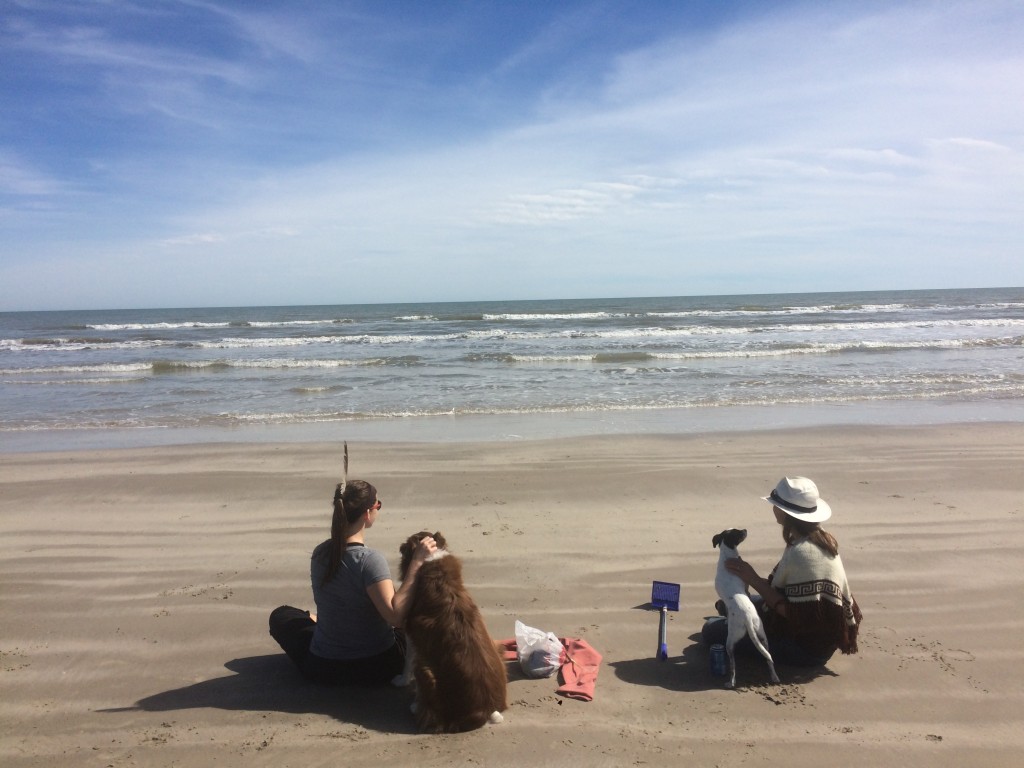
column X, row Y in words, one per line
column 216, row 238
column 90, row 46
column 20, row 180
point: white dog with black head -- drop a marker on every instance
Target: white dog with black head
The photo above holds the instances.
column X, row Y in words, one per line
column 740, row 611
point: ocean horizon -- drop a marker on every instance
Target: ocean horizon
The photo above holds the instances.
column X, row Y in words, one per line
column 509, row 369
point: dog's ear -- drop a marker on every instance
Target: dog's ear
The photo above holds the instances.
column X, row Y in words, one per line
column 716, row 540
column 407, row 547
column 406, row 550
column 439, row 540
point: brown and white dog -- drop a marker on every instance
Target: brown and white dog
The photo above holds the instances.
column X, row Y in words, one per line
column 460, row 676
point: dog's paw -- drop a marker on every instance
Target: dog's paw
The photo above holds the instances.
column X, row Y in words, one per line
column 400, row 681
column 495, row 718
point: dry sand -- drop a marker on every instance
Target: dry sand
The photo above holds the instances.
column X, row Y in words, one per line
column 136, row 586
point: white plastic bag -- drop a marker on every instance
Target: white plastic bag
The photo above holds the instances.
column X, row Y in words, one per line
column 540, row 653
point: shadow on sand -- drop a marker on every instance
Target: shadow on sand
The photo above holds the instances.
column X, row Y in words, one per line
column 691, row 671
column 271, row 683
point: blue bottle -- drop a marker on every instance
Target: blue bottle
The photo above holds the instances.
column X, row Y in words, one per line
column 718, row 666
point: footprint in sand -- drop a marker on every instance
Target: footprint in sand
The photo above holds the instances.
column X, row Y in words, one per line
column 920, row 650
column 929, row 651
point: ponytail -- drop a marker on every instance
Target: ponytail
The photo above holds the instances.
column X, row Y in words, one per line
column 351, row 501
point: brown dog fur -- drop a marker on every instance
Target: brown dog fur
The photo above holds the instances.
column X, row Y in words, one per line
column 460, row 675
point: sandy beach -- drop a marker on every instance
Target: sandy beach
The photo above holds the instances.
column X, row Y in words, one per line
column 135, row 587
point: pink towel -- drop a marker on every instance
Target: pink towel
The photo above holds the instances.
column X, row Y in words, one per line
column 580, row 663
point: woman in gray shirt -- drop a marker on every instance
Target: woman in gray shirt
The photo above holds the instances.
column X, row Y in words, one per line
column 351, row 638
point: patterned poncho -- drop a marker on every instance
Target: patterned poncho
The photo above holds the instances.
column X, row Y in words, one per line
column 821, row 614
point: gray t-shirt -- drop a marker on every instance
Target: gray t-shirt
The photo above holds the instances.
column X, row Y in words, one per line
column 348, row 625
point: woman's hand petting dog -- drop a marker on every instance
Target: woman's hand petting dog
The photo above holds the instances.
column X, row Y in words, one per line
column 424, row 549
column 737, row 566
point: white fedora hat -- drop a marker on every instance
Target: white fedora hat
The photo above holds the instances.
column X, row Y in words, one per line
column 798, row 497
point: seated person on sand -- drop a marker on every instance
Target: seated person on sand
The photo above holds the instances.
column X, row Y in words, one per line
column 351, row 639
column 807, row 608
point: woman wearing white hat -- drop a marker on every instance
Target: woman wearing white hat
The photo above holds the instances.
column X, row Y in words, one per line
column 807, row 609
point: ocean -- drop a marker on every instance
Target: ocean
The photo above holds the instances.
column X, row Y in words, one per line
column 506, row 370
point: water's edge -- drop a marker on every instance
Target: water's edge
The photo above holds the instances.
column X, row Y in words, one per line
column 536, row 426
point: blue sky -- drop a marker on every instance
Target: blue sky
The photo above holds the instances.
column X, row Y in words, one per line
column 194, row 153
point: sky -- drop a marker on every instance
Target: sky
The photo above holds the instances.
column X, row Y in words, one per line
column 175, row 153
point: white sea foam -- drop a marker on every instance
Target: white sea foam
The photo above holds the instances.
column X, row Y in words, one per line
column 533, row 316
column 88, row 368
column 292, row 323
column 947, row 326
column 74, row 382
column 750, row 310
column 165, row 326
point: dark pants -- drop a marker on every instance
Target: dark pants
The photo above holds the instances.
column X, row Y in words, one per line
column 292, row 628
column 784, row 651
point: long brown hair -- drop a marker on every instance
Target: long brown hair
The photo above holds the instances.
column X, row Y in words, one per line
column 793, row 530
column 351, row 501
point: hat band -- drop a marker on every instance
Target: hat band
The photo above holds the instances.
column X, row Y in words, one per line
column 774, row 496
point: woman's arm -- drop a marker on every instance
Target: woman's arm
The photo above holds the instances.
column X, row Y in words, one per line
column 771, row 596
column 394, row 605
